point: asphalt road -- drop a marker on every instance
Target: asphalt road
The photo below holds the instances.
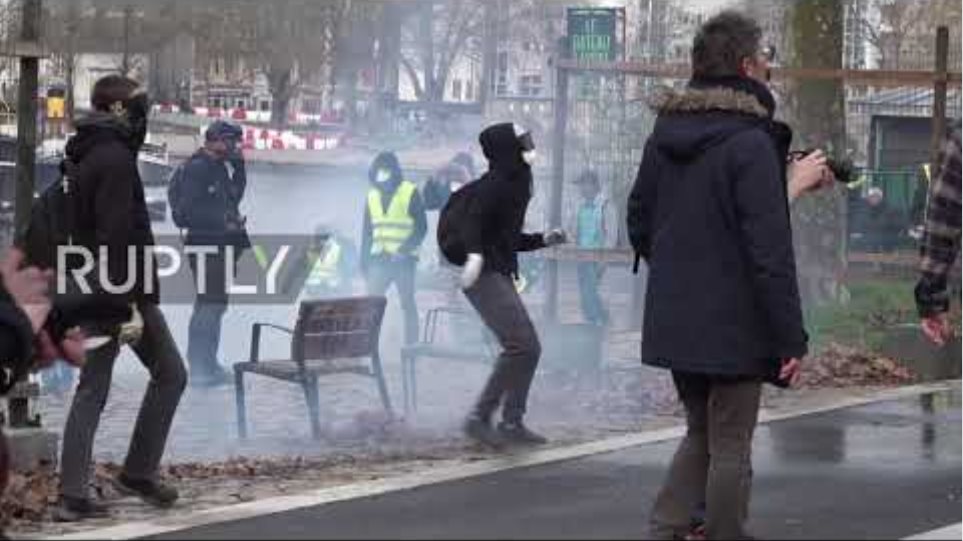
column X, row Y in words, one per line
column 888, row 470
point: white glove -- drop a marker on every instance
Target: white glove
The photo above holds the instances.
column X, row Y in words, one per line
column 555, row 237
column 131, row 331
column 473, row 269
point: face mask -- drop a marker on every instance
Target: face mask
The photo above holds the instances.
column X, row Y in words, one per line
column 382, row 176
column 527, row 144
column 529, row 156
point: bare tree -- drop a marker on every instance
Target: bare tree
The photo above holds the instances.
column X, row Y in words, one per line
column 291, row 42
column 63, row 28
column 441, row 33
column 9, row 29
column 902, row 32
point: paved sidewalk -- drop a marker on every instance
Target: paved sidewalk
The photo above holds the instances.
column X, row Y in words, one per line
column 888, row 470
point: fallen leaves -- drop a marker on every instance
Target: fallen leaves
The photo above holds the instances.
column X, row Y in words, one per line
column 841, row 366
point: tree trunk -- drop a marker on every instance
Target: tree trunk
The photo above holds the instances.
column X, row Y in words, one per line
column 427, row 41
column 819, row 220
column 386, row 84
column 282, row 92
column 69, row 99
column 489, row 56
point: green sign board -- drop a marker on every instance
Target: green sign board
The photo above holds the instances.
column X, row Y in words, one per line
column 591, row 33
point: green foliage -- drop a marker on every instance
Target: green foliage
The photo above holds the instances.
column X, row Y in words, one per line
column 873, row 307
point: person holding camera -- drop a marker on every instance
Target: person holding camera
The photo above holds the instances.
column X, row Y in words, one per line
column 102, row 163
column 214, row 180
column 709, row 213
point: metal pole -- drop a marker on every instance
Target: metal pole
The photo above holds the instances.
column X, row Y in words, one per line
column 558, row 176
column 939, row 94
column 125, row 62
column 19, row 400
column 648, row 34
column 27, row 116
column 489, row 54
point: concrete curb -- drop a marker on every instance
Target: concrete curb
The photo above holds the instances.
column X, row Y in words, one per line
column 460, row 472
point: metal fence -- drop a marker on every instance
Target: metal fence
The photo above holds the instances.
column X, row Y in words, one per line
column 603, row 117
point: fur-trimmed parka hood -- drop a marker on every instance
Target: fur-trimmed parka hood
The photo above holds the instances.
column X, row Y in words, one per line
column 703, row 116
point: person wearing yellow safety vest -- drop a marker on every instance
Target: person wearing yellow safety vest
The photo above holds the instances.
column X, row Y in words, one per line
column 332, row 258
column 394, row 227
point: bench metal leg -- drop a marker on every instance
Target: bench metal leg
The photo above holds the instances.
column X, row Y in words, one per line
column 239, row 404
column 382, row 385
column 313, row 399
column 413, row 377
column 405, row 391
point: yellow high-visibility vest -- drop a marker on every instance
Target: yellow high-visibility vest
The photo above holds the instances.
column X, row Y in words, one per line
column 325, row 269
column 392, row 228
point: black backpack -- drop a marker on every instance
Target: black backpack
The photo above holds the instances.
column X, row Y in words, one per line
column 53, row 218
column 55, row 221
column 451, row 223
column 176, row 197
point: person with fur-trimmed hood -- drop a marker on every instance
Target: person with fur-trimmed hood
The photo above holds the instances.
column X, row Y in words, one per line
column 709, row 214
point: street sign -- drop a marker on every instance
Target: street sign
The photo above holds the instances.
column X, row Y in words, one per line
column 592, row 38
column 592, row 33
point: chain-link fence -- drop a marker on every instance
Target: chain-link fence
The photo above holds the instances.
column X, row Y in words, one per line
column 873, row 224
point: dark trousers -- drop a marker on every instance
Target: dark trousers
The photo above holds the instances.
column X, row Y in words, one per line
column 500, row 307
column 210, row 304
column 593, row 309
column 713, row 463
column 400, row 272
column 158, row 353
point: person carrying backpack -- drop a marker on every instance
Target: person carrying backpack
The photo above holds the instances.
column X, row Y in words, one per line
column 205, row 196
column 101, row 161
column 481, row 228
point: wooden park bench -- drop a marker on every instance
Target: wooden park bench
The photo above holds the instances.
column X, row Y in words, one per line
column 337, row 336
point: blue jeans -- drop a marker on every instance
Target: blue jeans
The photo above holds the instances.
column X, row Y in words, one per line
column 382, row 273
column 204, row 332
column 593, row 309
column 59, row 378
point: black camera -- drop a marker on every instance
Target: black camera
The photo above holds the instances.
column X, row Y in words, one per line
column 842, row 168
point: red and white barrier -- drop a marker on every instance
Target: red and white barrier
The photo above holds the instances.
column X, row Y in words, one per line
column 258, row 138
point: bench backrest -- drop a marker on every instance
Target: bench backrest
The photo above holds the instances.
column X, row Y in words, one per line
column 338, row 329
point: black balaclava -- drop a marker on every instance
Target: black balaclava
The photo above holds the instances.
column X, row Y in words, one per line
column 134, row 113
column 385, row 161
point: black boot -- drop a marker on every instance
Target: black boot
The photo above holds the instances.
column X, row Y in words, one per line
column 77, row 509
column 480, row 431
column 150, row 491
column 517, row 433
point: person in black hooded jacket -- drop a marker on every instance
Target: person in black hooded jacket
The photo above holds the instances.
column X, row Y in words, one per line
column 493, row 235
column 709, row 214
column 102, row 164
